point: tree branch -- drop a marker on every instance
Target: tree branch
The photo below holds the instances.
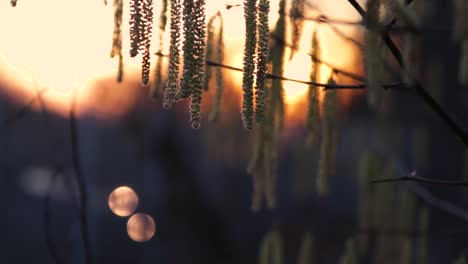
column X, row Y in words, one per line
column 420, row 90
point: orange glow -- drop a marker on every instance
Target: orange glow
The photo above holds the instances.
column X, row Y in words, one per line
column 123, row 201
column 66, row 44
column 141, row 227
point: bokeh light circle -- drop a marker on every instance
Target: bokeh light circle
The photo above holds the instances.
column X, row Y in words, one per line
column 123, row 201
column 141, row 227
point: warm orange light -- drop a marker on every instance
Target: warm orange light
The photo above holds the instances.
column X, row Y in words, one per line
column 123, row 201
column 141, row 227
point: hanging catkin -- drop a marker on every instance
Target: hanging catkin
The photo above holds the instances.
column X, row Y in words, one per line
column 189, row 68
column 256, row 169
column 172, row 84
column 145, row 41
column 198, row 63
column 409, row 50
column 423, row 241
column 372, row 53
column 350, row 255
column 210, row 46
column 219, row 57
column 262, row 57
column 136, row 24
column 297, row 21
column 157, row 83
column 271, row 249
column 305, row 252
column 117, row 37
column 250, row 15
column 327, row 147
column 312, row 119
column 461, row 35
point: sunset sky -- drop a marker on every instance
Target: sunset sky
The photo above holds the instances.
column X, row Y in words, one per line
column 65, row 44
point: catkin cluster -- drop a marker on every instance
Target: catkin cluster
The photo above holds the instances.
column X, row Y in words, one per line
column 117, row 37
column 263, row 165
column 141, row 26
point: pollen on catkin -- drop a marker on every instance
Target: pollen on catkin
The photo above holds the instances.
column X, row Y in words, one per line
column 117, row 37
column 312, row 119
column 262, row 58
column 372, row 53
column 172, row 84
column 250, row 15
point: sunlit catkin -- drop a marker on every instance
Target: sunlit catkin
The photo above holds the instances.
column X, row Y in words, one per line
column 350, row 255
column 297, row 21
column 372, row 53
column 250, row 15
column 198, row 62
column 312, row 119
column 306, row 249
column 157, row 82
column 327, row 147
column 117, row 37
column 172, row 84
column 219, row 57
column 262, row 58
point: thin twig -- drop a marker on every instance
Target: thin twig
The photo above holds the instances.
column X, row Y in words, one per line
column 435, row 202
column 422, row 180
column 83, row 197
column 20, row 113
column 48, row 219
column 282, row 78
column 420, row 90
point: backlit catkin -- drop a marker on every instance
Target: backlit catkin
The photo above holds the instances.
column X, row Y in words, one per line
column 117, row 37
column 172, row 84
column 262, row 58
column 312, row 119
column 250, row 15
column 372, row 53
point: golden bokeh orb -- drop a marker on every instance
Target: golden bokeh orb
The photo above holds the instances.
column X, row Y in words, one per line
column 141, row 227
column 123, row 201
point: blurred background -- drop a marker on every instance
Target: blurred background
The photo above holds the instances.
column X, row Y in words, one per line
column 194, row 183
